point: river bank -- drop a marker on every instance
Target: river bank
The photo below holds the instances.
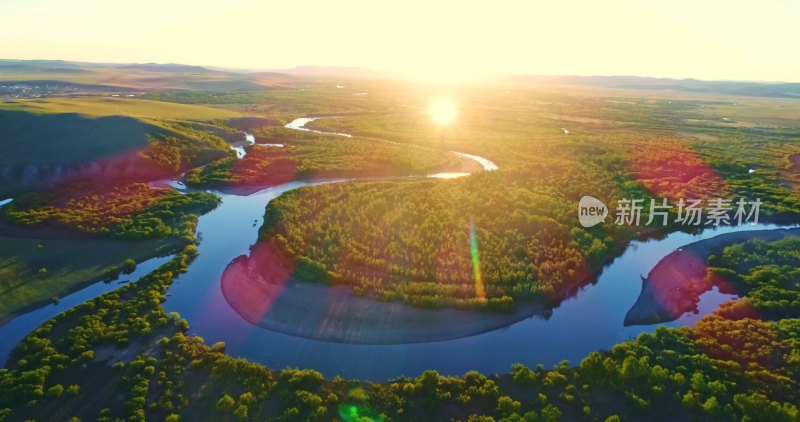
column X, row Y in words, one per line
column 261, row 288
column 16, row 327
column 674, row 285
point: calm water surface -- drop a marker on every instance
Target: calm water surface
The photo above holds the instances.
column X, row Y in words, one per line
column 589, row 321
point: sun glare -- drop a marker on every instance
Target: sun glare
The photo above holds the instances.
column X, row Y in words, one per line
column 443, row 112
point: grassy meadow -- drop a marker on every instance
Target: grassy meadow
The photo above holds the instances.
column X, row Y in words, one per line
column 112, row 106
column 34, row 271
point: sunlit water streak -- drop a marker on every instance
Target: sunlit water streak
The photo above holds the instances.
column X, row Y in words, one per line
column 448, row 175
column 239, row 147
column 300, row 124
column 487, row 165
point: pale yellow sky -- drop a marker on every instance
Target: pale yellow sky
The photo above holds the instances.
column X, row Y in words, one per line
column 707, row 39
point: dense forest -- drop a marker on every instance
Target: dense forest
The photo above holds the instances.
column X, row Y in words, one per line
column 410, row 241
column 670, row 147
column 134, row 211
column 767, row 274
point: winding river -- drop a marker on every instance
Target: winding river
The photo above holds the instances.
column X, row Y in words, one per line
column 590, row 320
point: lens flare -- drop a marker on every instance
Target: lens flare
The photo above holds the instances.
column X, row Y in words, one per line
column 355, row 413
column 443, row 112
column 480, row 292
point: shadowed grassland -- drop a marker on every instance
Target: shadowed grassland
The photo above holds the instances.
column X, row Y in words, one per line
column 47, row 143
column 36, row 270
column 28, row 138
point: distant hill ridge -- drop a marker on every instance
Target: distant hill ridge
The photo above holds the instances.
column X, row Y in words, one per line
column 743, row 88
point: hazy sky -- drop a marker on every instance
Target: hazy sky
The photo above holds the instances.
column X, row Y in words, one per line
column 706, row 39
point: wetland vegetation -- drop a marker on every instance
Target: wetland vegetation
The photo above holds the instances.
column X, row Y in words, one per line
column 490, row 241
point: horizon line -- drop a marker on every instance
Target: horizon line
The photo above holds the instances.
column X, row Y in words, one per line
column 393, row 74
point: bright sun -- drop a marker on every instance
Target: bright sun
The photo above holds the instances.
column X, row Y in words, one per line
column 443, row 112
